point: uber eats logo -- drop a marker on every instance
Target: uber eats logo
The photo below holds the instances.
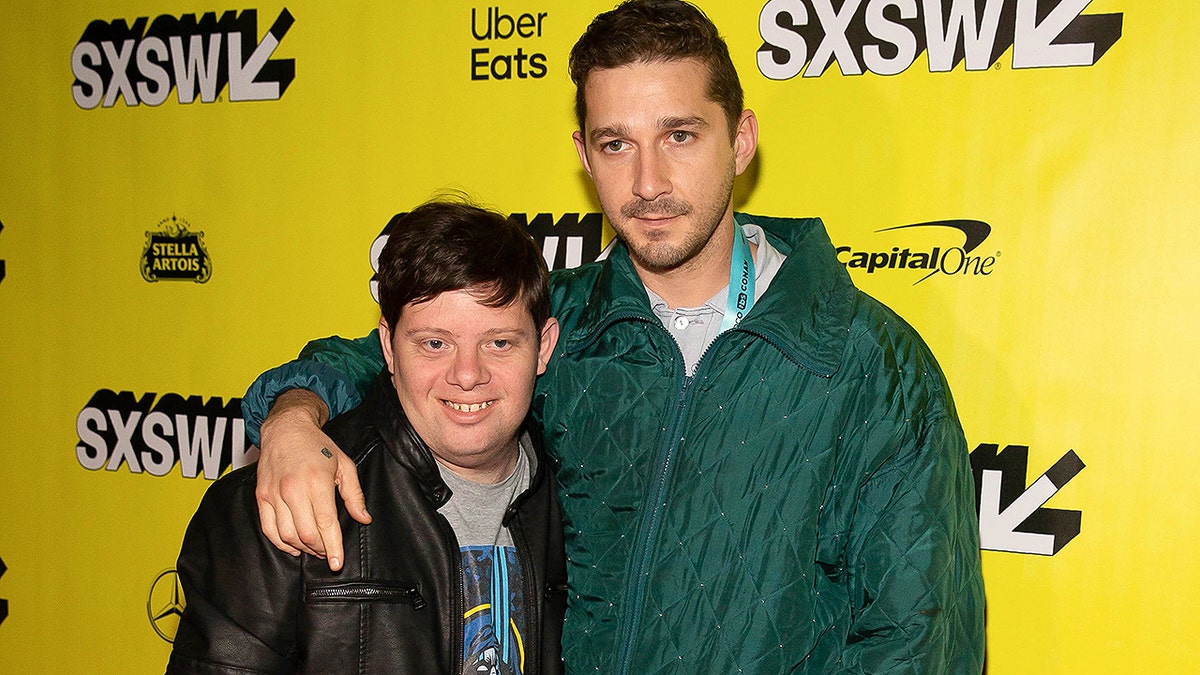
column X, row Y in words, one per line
column 500, row 29
column 142, row 63
column 886, row 36
column 120, row 430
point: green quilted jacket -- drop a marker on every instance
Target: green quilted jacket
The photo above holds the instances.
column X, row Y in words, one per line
column 802, row 504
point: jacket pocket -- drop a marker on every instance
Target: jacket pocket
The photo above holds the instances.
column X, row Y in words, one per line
column 364, row 591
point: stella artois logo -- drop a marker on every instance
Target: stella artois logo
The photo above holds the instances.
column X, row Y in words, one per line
column 175, row 253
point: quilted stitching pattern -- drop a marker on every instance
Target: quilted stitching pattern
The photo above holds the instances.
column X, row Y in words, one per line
column 820, row 538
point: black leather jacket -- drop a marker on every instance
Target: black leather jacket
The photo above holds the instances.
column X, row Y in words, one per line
column 397, row 604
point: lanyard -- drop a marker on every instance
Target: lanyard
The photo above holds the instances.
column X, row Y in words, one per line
column 741, row 281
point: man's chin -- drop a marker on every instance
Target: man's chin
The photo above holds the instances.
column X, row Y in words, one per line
column 659, row 260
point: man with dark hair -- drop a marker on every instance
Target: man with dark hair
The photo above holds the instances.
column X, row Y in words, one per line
column 462, row 570
column 643, row 32
column 761, row 469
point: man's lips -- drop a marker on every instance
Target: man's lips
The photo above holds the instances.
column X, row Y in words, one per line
column 467, row 407
column 656, row 219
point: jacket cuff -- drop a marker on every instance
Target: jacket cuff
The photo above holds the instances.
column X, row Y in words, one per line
column 330, row 384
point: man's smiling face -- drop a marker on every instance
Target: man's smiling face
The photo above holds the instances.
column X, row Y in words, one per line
column 465, row 373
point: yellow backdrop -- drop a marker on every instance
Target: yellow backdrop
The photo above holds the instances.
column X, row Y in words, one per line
column 185, row 199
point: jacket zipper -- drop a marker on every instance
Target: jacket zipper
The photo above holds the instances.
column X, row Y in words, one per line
column 456, row 594
column 655, row 502
column 368, row 591
column 636, row 589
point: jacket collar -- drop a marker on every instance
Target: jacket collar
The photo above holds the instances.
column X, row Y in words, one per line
column 805, row 312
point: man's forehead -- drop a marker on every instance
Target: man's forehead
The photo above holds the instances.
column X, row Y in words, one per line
column 463, row 304
column 665, row 89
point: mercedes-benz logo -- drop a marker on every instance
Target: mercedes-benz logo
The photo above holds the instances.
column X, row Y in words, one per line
column 165, row 605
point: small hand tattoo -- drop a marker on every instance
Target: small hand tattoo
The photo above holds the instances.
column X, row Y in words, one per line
column 327, row 453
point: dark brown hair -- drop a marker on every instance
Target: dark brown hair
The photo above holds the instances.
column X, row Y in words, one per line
column 453, row 245
column 644, row 31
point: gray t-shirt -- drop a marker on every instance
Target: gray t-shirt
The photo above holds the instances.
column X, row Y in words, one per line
column 493, row 595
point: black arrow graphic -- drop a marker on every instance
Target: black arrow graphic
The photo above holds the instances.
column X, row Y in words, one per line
column 3, row 569
column 1, row 279
column 1011, row 516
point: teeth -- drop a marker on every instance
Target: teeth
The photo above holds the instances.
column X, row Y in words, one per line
column 467, row 407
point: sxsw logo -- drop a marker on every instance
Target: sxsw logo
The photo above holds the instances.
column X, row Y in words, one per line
column 886, row 36
column 144, row 62
column 119, row 429
column 1012, row 516
column 568, row 241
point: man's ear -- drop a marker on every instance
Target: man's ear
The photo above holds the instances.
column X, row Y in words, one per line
column 581, row 148
column 549, row 338
column 745, row 140
column 385, row 341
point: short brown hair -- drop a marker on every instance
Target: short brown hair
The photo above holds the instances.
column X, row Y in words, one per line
column 452, row 245
column 644, row 31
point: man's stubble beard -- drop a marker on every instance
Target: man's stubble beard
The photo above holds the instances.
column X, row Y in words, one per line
column 661, row 256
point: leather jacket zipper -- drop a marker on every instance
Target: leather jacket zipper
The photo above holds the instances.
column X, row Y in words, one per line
column 366, row 591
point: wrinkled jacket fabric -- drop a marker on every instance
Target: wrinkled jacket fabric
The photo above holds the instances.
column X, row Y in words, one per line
column 397, row 604
column 802, row 504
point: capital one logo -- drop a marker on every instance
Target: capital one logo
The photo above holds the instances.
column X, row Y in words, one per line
column 144, row 62
column 946, row 260
column 885, row 37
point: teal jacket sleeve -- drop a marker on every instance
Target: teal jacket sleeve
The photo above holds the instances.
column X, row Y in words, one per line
column 916, row 576
column 337, row 369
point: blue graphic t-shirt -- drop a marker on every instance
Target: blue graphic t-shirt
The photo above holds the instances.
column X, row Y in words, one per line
column 493, row 596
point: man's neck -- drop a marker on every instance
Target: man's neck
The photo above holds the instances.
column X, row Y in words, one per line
column 495, row 470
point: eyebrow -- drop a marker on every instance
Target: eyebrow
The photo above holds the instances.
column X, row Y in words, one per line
column 693, row 121
column 422, row 331
column 621, row 130
column 615, row 131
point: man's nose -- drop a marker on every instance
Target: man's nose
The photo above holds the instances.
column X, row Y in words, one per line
column 469, row 369
column 652, row 179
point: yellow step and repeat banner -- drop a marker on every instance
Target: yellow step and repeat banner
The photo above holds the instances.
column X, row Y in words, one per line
column 189, row 191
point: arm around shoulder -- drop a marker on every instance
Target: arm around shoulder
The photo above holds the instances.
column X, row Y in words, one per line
column 338, row 370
